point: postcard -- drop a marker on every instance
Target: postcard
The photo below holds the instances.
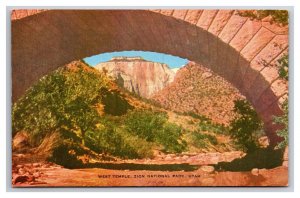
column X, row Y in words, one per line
column 136, row 98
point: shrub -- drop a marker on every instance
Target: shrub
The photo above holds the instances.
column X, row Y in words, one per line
column 246, row 127
column 170, row 137
column 278, row 16
column 145, row 124
column 283, row 120
column 202, row 140
column 206, row 124
column 153, row 127
column 111, row 140
column 283, row 67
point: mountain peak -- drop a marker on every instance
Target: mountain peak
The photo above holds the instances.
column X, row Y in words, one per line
column 125, row 58
column 138, row 75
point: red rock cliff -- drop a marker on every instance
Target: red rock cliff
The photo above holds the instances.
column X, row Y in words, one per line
column 138, row 75
column 197, row 89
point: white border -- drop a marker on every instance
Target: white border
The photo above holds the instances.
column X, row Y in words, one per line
column 164, row 3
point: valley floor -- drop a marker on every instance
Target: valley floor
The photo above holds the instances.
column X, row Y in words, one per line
column 45, row 174
column 61, row 177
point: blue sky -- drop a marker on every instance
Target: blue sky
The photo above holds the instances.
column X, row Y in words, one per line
column 172, row 61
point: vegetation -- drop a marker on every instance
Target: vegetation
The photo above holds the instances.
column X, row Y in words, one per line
column 246, row 127
column 283, row 67
column 110, row 138
column 260, row 158
column 206, row 124
column 93, row 117
column 278, row 16
column 201, row 140
column 283, row 120
column 62, row 100
column 81, row 105
column 153, row 127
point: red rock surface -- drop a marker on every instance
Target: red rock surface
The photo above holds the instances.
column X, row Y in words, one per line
column 205, row 176
column 197, row 89
column 138, row 75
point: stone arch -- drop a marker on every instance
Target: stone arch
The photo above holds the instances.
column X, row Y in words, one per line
column 240, row 50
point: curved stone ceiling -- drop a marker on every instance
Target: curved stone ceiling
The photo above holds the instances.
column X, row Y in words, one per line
column 242, row 51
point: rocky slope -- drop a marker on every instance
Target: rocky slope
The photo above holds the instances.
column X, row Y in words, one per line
column 138, row 75
column 197, row 89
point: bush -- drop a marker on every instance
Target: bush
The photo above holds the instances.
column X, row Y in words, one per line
column 283, row 120
column 208, row 125
column 205, row 124
column 202, row 140
column 153, row 127
column 246, row 127
column 278, row 16
column 145, row 124
column 283, row 67
column 170, row 137
column 111, row 140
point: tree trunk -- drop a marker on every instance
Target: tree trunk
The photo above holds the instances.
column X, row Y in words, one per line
column 82, row 140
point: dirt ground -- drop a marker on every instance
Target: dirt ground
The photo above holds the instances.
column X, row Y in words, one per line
column 51, row 175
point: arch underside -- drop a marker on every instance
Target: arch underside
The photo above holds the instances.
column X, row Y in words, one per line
column 242, row 51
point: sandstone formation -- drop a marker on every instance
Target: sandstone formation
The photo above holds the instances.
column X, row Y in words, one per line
column 20, row 141
column 138, row 75
column 197, row 89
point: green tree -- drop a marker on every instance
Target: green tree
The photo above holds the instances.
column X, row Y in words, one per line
column 62, row 99
column 244, row 129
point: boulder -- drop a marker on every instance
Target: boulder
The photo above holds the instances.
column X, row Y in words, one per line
column 21, row 171
column 20, row 141
column 207, row 169
column 255, row 171
column 20, row 179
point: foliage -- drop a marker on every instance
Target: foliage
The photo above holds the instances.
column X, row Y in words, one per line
column 145, row 123
column 283, row 67
column 260, row 158
column 113, row 140
column 278, row 16
column 114, row 104
column 201, row 140
column 170, row 137
column 66, row 155
column 62, row 99
column 246, row 127
column 206, row 124
column 283, row 120
column 196, row 116
column 153, row 127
